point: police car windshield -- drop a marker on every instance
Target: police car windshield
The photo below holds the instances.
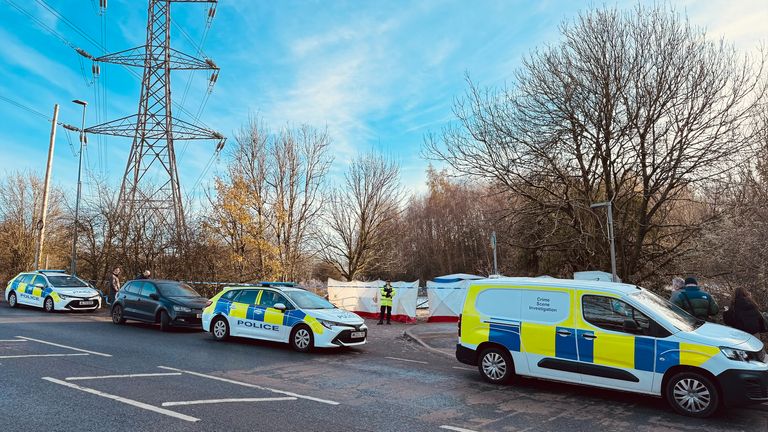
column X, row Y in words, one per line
column 308, row 300
column 174, row 289
column 66, row 281
column 679, row 318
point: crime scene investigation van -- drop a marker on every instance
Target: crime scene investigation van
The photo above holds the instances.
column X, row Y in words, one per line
column 609, row 335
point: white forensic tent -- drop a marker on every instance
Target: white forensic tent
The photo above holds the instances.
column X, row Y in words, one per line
column 446, row 296
column 359, row 297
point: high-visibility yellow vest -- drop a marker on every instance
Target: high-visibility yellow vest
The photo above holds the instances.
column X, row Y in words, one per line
column 384, row 298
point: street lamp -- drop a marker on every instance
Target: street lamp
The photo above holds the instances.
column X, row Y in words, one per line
column 79, row 186
column 609, row 204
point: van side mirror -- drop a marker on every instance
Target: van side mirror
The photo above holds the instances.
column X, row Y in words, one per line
column 280, row 306
column 630, row 326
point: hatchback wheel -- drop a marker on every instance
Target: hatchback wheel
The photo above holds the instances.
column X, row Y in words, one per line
column 117, row 314
column 12, row 302
column 692, row 394
column 220, row 329
column 48, row 305
column 165, row 321
column 302, row 339
column 496, row 365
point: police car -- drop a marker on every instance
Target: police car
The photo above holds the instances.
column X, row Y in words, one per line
column 609, row 335
column 282, row 312
column 52, row 290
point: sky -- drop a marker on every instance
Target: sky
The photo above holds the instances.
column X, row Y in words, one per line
column 378, row 75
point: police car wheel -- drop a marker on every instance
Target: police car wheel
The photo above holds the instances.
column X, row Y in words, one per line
column 12, row 301
column 496, row 366
column 302, row 339
column 117, row 315
column 48, row 305
column 220, row 329
column 692, row 394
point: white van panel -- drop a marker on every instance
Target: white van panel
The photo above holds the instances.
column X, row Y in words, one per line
column 550, row 307
column 499, row 303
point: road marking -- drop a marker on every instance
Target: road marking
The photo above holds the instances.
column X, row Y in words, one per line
column 296, row 395
column 457, row 429
column 407, row 360
column 12, row 340
column 463, row 368
column 217, row 401
column 40, row 355
column 122, row 376
column 131, row 402
column 64, row 346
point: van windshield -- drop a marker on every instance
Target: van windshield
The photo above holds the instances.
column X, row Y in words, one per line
column 674, row 315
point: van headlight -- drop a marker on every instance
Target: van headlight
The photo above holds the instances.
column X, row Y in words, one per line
column 177, row 308
column 735, row 354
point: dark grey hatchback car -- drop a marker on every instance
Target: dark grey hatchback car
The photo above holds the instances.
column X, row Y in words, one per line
column 170, row 303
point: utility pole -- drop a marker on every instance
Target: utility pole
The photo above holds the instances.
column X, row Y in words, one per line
column 609, row 204
column 493, row 245
column 79, row 187
column 44, row 209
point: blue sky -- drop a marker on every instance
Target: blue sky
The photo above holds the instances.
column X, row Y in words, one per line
column 378, row 74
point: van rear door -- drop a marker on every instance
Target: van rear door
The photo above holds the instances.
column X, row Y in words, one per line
column 549, row 333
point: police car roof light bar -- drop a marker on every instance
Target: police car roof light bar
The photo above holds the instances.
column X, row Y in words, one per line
column 51, row 271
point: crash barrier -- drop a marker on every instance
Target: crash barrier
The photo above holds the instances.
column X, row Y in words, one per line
column 360, row 298
column 446, row 300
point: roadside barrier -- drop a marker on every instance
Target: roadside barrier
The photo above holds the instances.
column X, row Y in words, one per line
column 360, row 298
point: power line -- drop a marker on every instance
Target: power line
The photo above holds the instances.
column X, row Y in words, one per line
column 25, row 107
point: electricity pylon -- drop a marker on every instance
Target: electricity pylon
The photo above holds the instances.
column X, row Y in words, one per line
column 150, row 185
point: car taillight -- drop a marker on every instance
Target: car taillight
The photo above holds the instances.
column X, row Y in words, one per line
column 459, row 325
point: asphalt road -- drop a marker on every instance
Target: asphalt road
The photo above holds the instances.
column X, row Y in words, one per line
column 100, row 376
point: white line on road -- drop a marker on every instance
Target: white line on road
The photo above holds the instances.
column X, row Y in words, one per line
column 463, row 368
column 296, row 395
column 407, row 360
column 217, row 401
column 12, row 340
column 131, row 402
column 122, row 376
column 457, row 429
column 40, row 355
column 64, row 346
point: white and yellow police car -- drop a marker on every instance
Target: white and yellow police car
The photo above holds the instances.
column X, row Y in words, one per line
column 284, row 313
column 52, row 290
column 609, row 335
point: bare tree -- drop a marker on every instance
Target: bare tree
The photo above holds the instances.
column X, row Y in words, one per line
column 361, row 217
column 637, row 107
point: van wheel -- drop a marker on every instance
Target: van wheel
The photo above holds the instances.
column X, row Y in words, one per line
column 48, row 305
column 12, row 301
column 496, row 365
column 165, row 321
column 220, row 329
column 302, row 339
column 692, row 394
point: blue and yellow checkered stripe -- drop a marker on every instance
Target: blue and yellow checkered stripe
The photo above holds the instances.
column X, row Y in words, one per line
column 267, row 315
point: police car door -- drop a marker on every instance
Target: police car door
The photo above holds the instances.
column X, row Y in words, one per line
column 271, row 327
column 38, row 286
column 241, row 322
column 614, row 349
column 24, row 290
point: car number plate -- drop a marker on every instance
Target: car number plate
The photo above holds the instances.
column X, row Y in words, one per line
column 86, row 303
column 199, row 315
column 357, row 335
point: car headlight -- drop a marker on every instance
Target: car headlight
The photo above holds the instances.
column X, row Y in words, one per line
column 735, row 354
column 329, row 324
column 63, row 297
column 181, row 309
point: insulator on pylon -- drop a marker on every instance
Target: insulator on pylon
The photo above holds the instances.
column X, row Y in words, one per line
column 211, row 12
column 214, row 77
column 96, row 69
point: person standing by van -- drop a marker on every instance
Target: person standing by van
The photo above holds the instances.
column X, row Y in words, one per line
column 745, row 314
column 695, row 301
column 386, row 294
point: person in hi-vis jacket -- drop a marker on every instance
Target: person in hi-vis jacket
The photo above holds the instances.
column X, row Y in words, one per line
column 386, row 294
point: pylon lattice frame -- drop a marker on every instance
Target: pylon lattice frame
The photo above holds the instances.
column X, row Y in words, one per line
column 153, row 128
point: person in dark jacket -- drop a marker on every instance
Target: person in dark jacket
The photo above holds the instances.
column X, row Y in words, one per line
column 695, row 301
column 746, row 315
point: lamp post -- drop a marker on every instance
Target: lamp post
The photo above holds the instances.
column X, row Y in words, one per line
column 79, row 186
column 609, row 204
